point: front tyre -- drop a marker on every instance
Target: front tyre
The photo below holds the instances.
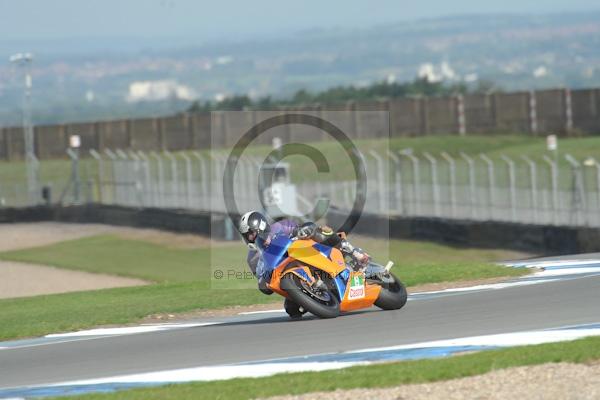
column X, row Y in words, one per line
column 321, row 303
column 393, row 294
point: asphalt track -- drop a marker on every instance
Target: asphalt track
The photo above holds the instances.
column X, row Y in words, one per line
column 247, row 338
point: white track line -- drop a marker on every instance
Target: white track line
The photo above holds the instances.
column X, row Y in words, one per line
column 501, row 339
column 491, row 286
column 220, row 372
column 262, row 312
column 128, row 330
column 270, row 367
column 555, row 263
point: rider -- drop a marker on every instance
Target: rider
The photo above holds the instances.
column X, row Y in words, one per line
column 258, row 233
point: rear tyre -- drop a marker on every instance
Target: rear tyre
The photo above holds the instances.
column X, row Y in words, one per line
column 323, row 304
column 393, row 295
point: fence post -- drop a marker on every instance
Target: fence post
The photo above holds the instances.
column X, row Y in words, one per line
column 511, row 178
column 577, row 191
column 113, row 171
column 203, row 176
column 218, row 167
column 533, row 182
column 149, row 192
column 554, row 180
column 98, row 158
column 245, row 183
column 380, row 180
column 452, row 166
column 174, row 179
column 460, row 115
column 137, row 171
column 491, row 183
column 471, row 166
column 399, row 201
column 568, row 112
column 160, row 188
column 533, row 125
column 424, row 115
column 126, row 173
column 434, row 183
column 257, row 166
column 597, row 166
column 416, row 180
column 75, row 178
column 188, row 179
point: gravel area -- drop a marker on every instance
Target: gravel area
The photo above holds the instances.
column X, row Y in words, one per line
column 22, row 280
column 23, row 235
column 543, row 382
column 16, row 278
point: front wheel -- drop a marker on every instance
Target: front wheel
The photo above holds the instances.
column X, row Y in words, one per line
column 393, row 294
column 319, row 302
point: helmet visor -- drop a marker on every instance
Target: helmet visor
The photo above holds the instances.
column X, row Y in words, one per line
column 250, row 236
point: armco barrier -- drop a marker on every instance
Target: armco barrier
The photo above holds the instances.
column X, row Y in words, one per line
column 543, row 239
column 535, row 238
column 169, row 220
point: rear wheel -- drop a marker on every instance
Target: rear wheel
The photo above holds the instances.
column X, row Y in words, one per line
column 393, row 294
column 318, row 301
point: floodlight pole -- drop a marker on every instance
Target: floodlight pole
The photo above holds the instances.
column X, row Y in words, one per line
column 24, row 60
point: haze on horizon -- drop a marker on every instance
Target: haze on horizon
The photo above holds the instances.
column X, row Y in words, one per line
column 38, row 24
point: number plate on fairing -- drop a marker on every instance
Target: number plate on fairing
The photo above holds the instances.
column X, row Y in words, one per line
column 357, row 286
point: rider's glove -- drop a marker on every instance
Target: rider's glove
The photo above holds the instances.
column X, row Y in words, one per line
column 306, row 230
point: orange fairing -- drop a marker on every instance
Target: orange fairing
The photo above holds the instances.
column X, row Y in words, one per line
column 359, row 293
column 303, row 250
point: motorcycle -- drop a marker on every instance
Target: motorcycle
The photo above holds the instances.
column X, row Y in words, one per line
column 318, row 279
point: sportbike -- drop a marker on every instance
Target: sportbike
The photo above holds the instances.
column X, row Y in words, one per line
column 318, row 279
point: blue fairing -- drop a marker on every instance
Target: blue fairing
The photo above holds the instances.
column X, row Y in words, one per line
column 303, row 273
column 276, row 251
column 340, row 284
column 341, row 281
column 325, row 250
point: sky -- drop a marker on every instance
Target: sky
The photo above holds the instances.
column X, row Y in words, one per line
column 39, row 20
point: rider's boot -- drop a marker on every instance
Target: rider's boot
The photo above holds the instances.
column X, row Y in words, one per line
column 293, row 309
column 262, row 286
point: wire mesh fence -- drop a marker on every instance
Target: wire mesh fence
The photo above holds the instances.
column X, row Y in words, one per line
column 542, row 190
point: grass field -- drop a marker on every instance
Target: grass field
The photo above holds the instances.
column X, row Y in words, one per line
column 183, row 279
column 382, row 375
column 493, row 145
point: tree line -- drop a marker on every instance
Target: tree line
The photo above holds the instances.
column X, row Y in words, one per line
column 340, row 94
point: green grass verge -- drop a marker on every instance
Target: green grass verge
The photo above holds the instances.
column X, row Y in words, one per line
column 381, row 375
column 416, row 262
column 39, row 315
column 185, row 284
column 110, row 254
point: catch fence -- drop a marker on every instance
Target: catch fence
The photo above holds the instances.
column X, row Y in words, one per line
column 554, row 190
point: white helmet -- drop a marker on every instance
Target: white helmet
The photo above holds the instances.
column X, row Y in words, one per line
column 253, row 224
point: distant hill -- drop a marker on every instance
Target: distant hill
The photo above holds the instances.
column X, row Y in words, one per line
column 513, row 51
